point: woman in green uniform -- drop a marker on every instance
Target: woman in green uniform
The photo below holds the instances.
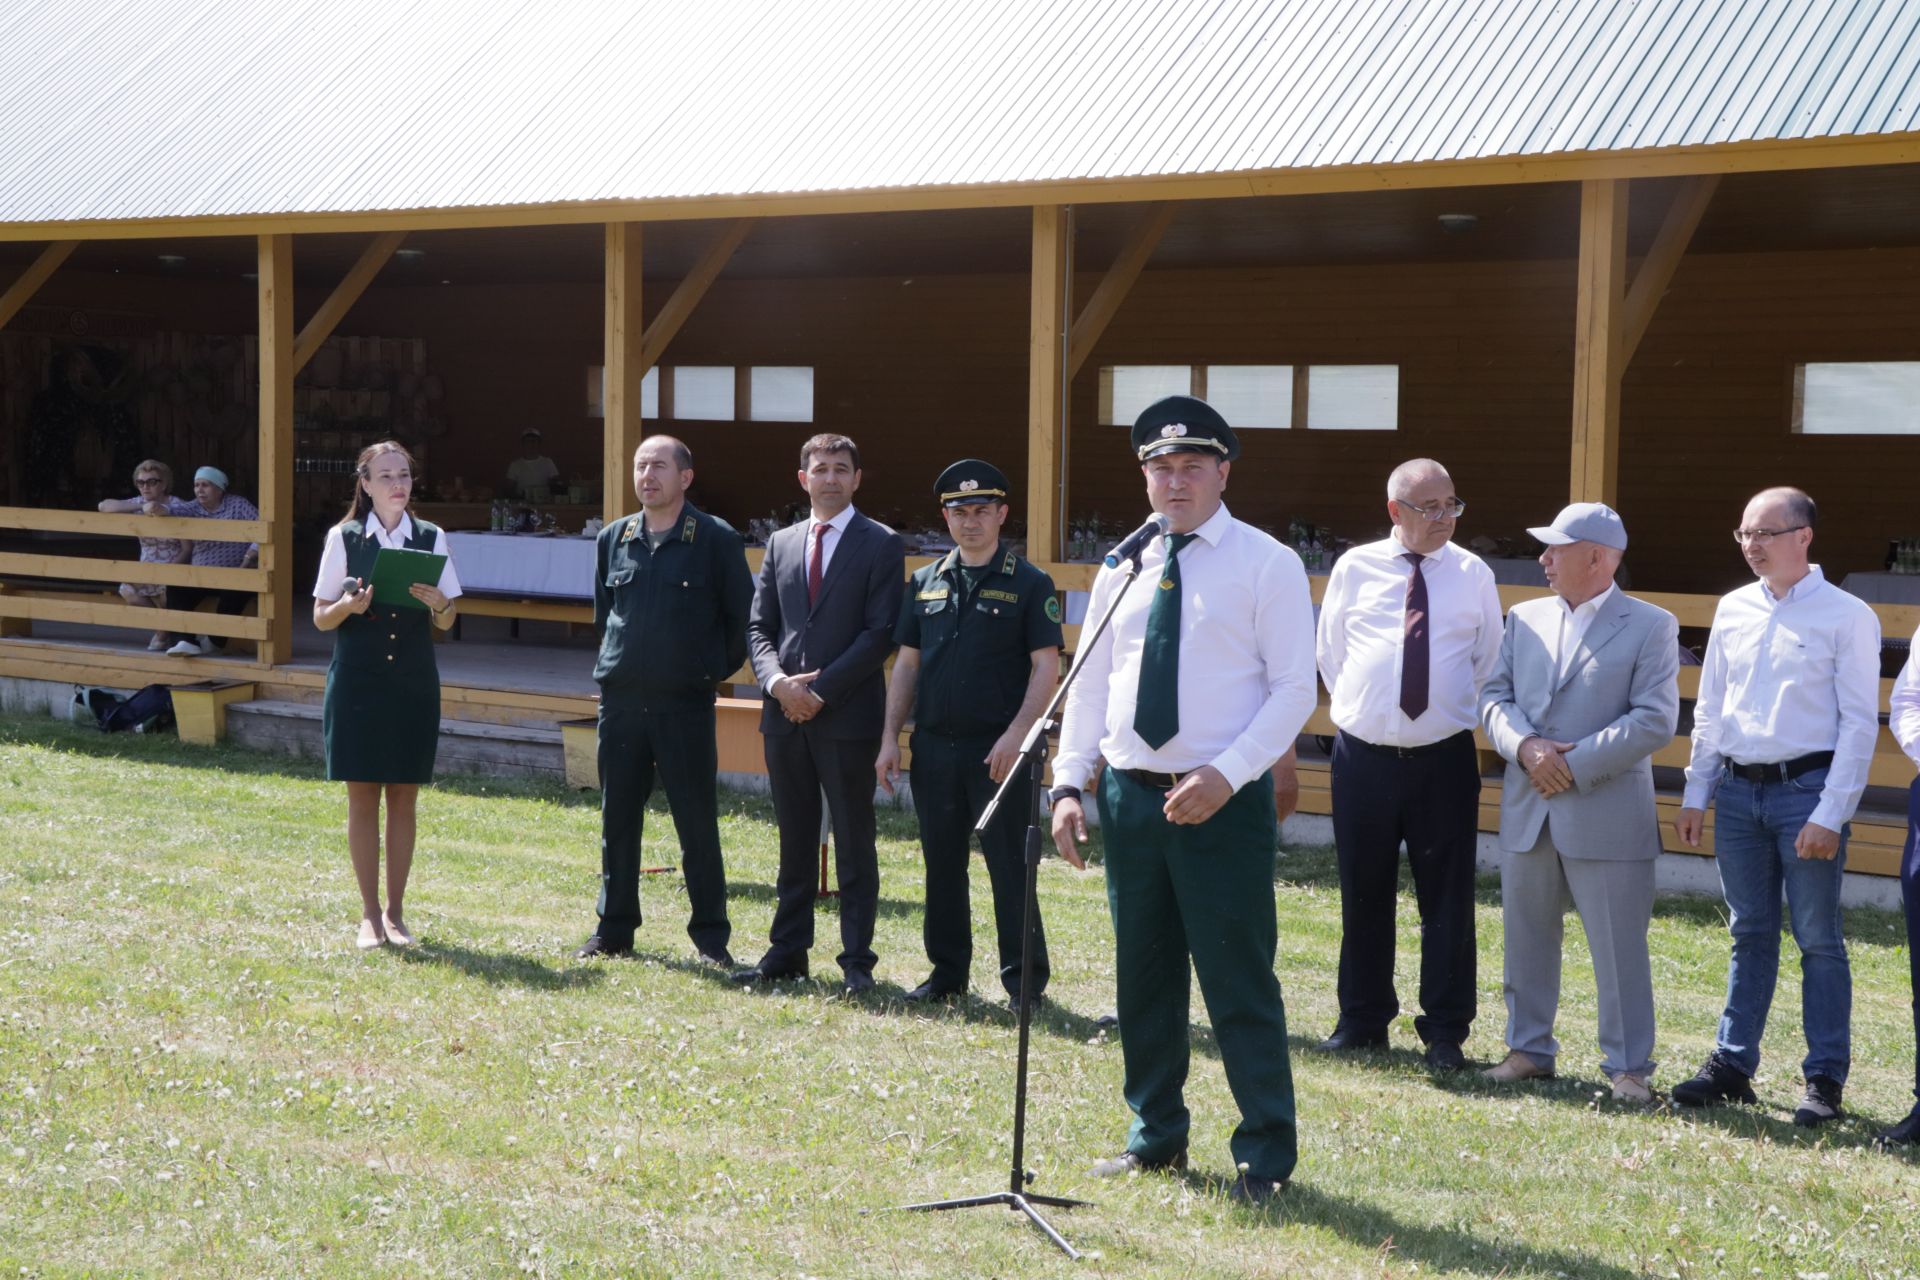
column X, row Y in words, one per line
column 382, row 713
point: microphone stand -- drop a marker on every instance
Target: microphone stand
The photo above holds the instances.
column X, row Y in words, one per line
column 1031, row 766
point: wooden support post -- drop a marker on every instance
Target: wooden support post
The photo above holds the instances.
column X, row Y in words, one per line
column 687, row 294
column 1047, row 381
column 323, row 322
column 1112, row 289
column 33, row 277
column 275, row 288
column 621, row 427
column 1597, row 340
column 1656, row 269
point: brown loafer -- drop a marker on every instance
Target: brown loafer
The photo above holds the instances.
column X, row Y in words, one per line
column 1517, row 1067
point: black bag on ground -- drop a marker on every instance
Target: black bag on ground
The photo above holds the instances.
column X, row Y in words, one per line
column 147, row 710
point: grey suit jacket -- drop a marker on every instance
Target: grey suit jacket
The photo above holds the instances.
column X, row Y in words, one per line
column 1618, row 702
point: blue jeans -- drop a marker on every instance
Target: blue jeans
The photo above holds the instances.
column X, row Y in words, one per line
column 1753, row 845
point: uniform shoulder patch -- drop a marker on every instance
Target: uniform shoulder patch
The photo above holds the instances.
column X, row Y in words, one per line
column 1053, row 608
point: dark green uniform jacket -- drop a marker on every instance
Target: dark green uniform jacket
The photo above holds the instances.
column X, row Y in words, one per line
column 672, row 621
column 976, row 645
column 381, row 717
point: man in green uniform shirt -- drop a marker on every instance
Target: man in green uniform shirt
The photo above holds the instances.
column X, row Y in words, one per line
column 670, row 596
column 979, row 639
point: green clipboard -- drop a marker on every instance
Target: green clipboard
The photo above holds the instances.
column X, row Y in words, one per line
column 397, row 568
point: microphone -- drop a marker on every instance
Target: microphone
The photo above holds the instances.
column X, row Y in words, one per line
column 1129, row 548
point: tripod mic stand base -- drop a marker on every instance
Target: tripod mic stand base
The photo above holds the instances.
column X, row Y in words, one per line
column 1019, row 1202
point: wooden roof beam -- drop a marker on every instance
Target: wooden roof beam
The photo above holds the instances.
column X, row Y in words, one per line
column 687, row 296
column 318, row 329
column 1650, row 282
column 33, row 277
column 1112, row 289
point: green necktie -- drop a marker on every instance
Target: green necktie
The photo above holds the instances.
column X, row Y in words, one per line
column 1156, row 712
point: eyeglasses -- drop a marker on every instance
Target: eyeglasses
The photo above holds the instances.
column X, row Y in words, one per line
column 144, row 481
column 1452, row 508
column 1761, row 537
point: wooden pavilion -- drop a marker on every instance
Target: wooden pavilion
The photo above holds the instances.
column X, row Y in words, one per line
column 1599, row 248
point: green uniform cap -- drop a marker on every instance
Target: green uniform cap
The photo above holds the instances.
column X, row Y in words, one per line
column 970, row 481
column 1183, row 424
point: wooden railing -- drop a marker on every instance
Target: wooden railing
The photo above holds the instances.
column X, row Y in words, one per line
column 25, row 603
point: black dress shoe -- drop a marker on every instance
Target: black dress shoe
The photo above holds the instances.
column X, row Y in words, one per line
column 1348, row 1040
column 1108, row 1022
column 719, row 958
column 1445, row 1055
column 1718, row 1080
column 762, row 973
column 1904, row 1134
column 857, row 982
column 1252, row 1189
column 599, row 946
column 1033, row 1003
column 929, row 991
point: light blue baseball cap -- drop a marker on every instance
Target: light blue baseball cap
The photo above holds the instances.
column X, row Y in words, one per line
column 1585, row 522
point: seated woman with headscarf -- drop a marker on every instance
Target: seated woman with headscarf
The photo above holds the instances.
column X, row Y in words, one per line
column 211, row 502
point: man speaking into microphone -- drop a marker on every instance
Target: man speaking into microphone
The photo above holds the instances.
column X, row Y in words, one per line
column 1201, row 683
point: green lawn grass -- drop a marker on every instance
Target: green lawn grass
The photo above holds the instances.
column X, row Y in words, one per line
column 199, row 1075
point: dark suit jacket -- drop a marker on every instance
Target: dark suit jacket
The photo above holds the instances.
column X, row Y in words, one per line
column 845, row 636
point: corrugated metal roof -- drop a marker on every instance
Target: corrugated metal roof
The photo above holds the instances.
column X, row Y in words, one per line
column 135, row 109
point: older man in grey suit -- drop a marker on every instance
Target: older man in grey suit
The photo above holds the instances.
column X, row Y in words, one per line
column 1584, row 694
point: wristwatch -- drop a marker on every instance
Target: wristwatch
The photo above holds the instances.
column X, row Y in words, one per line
column 1063, row 793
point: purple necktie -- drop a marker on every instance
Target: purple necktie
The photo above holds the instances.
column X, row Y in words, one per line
column 1413, row 663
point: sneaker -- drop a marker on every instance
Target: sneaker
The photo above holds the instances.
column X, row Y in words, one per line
column 1718, row 1080
column 1819, row 1104
column 157, row 644
column 184, row 649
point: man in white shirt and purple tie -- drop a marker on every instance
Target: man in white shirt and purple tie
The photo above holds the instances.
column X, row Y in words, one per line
column 1410, row 628
column 1783, row 734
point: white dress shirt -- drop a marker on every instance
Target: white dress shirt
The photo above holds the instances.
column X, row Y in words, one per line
column 839, row 524
column 1363, row 640
column 327, row 585
column 1786, row 678
column 1903, row 706
column 1574, row 622
column 1246, row 661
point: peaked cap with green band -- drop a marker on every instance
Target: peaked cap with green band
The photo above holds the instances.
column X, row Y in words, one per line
column 970, row 481
column 1183, row 424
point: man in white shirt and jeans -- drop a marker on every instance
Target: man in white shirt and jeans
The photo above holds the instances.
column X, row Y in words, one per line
column 1783, row 734
column 1203, row 681
column 1409, row 630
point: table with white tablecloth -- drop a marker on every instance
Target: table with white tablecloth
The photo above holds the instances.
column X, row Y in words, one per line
column 1883, row 588
column 1515, row 571
column 556, row 566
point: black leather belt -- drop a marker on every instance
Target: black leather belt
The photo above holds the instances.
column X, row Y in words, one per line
column 1781, row 771
column 1158, row 781
column 1408, row 753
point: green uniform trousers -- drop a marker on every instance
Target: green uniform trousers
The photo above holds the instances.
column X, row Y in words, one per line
column 1204, row 890
column 951, row 787
column 678, row 744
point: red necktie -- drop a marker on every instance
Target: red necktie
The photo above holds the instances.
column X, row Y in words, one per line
column 1413, row 662
column 816, row 563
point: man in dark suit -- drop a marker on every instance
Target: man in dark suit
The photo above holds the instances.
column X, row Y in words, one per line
column 819, row 631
